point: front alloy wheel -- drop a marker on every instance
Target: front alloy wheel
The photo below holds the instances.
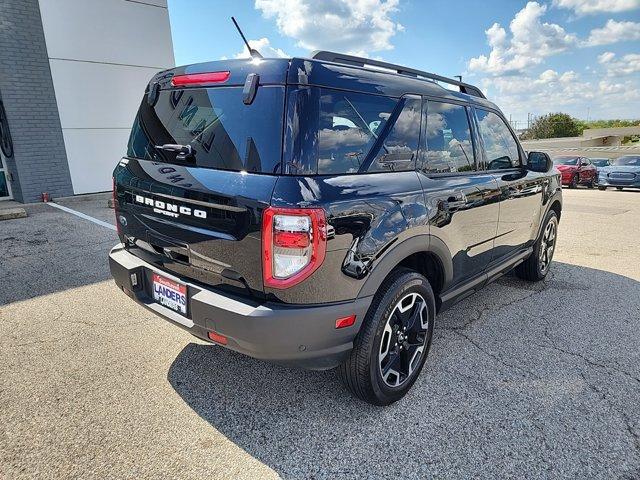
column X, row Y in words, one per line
column 574, row 182
column 547, row 245
column 536, row 266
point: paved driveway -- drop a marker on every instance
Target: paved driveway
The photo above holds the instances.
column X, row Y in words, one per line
column 536, row 381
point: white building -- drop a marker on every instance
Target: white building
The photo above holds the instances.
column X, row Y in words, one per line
column 100, row 55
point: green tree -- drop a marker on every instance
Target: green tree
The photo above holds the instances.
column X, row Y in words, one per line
column 553, row 125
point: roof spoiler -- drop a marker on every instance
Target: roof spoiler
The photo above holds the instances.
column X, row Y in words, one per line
column 362, row 62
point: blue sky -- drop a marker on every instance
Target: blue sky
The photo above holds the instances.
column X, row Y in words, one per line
column 576, row 56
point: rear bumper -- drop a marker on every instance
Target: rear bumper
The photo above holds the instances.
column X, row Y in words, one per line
column 304, row 336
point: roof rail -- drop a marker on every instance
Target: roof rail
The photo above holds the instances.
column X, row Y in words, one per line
column 361, row 62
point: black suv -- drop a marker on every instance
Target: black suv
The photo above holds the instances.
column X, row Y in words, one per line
column 320, row 211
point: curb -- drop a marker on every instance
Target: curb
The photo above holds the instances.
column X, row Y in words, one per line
column 12, row 213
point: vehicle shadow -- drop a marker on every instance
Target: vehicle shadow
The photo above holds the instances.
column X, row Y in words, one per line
column 51, row 251
column 470, row 403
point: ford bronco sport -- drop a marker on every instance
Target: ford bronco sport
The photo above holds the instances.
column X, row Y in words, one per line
column 321, row 211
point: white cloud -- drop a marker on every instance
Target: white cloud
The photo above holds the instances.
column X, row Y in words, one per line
column 613, row 32
column 352, row 26
column 567, row 92
column 264, row 47
column 531, row 42
column 606, row 57
column 585, row 7
column 626, row 65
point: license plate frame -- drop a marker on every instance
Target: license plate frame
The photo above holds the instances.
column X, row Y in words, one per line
column 170, row 294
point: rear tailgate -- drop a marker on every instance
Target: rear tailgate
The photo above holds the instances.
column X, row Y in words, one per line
column 199, row 215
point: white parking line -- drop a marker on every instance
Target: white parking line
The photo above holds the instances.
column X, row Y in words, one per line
column 82, row 215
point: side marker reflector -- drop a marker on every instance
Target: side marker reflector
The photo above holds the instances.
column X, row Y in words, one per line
column 345, row 321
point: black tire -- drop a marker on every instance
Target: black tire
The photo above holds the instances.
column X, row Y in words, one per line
column 362, row 373
column 574, row 182
column 536, row 266
column 602, row 188
column 619, row 188
column 590, row 184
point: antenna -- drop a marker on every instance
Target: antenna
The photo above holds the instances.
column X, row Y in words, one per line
column 253, row 52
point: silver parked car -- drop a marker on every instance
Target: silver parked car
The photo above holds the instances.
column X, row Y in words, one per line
column 624, row 172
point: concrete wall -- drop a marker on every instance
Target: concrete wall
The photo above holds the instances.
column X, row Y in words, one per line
column 39, row 163
column 611, row 132
column 101, row 56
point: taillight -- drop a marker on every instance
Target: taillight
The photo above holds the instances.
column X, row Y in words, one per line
column 200, row 78
column 294, row 242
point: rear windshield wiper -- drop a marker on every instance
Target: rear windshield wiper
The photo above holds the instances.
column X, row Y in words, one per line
column 184, row 152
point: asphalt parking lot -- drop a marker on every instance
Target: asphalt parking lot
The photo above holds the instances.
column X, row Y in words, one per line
column 523, row 380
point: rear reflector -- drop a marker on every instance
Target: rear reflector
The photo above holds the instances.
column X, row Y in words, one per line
column 345, row 321
column 216, row 337
column 128, row 292
column 200, row 78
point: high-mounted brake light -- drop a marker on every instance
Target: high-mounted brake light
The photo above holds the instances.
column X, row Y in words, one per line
column 200, row 79
column 294, row 243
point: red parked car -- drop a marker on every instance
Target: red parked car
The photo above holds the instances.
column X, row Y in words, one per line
column 576, row 171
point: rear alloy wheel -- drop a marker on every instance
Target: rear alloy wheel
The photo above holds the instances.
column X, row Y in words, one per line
column 619, row 188
column 394, row 340
column 536, row 267
column 403, row 340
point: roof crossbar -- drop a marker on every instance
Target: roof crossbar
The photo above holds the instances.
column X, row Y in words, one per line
column 362, row 62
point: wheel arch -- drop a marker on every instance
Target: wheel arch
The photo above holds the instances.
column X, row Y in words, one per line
column 556, row 206
column 553, row 203
column 425, row 254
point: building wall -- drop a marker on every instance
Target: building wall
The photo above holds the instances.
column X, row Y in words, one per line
column 39, row 163
column 611, row 132
column 102, row 54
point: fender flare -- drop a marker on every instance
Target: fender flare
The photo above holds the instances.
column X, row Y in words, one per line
column 391, row 259
column 557, row 195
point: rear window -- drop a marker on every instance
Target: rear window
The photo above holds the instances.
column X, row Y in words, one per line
column 223, row 132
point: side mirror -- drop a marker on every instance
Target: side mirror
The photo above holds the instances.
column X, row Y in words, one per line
column 539, row 162
column 584, row 164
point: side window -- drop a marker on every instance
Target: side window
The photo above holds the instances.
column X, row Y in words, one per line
column 448, row 139
column 349, row 125
column 397, row 152
column 500, row 147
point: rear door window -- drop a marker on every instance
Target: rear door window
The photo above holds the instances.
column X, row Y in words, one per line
column 349, row 126
column 396, row 150
column 448, row 146
column 500, row 148
column 332, row 132
column 224, row 132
